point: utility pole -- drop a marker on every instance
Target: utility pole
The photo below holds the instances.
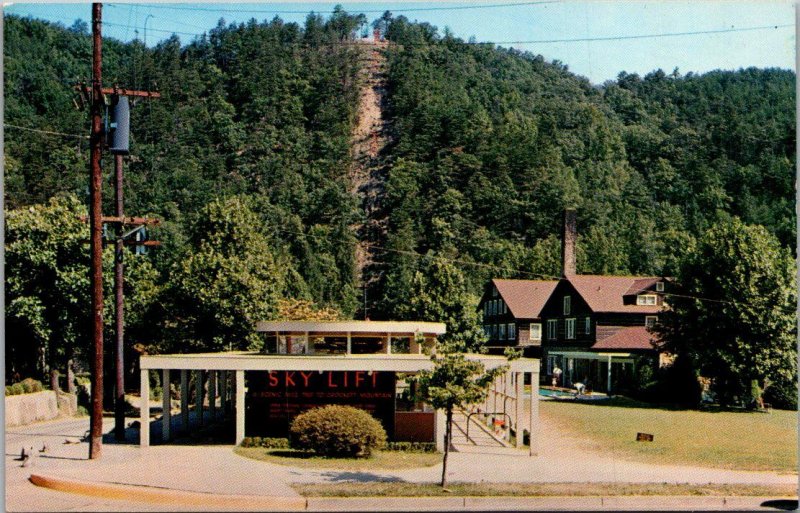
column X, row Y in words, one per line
column 96, row 220
column 119, row 403
column 96, row 229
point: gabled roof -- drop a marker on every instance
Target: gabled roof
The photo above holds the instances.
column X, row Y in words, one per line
column 634, row 337
column 641, row 284
column 525, row 298
column 604, row 293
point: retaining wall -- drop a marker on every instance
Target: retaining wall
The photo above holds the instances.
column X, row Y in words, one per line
column 27, row 408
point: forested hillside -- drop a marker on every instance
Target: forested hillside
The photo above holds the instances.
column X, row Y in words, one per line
column 486, row 146
column 492, row 144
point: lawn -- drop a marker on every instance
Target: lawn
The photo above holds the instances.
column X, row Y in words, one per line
column 725, row 439
column 403, row 489
column 389, row 460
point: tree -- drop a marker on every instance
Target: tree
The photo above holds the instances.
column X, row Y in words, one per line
column 454, row 382
column 734, row 313
column 227, row 281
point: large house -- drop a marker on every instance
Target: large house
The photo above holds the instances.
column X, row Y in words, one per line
column 584, row 328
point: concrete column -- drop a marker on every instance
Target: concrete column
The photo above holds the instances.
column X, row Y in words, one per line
column 166, row 406
column 198, row 396
column 212, row 394
column 518, row 391
column 608, row 386
column 388, row 348
column 534, row 420
column 223, row 392
column 239, row 406
column 185, row 400
column 144, row 408
column 349, row 343
column 439, row 429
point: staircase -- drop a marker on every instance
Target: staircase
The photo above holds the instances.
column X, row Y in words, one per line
column 481, row 439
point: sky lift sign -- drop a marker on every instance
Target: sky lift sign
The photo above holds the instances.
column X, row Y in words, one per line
column 275, row 398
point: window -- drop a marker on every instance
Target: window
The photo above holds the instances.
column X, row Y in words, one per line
column 650, row 321
column 536, row 331
column 512, row 331
column 505, row 307
column 587, row 326
column 486, row 309
column 494, row 332
column 487, row 330
column 567, row 304
column 569, row 327
column 646, row 299
column 494, row 291
column 493, row 307
column 502, row 334
column 552, row 329
column 660, row 286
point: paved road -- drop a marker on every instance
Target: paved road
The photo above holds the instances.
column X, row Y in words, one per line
column 216, row 469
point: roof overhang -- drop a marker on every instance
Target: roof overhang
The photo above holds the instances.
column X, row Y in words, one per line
column 377, row 328
column 362, row 362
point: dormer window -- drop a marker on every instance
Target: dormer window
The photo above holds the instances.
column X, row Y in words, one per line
column 660, row 286
column 646, row 299
column 494, row 292
column 567, row 304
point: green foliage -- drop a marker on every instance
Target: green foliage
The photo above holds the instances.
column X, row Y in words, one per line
column 268, row 443
column 428, row 447
column 30, row 386
column 15, row 389
column 227, row 281
column 337, row 431
column 745, row 328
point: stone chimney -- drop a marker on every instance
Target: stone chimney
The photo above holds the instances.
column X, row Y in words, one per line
column 568, row 243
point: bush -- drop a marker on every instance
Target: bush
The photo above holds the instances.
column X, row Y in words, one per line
column 782, row 395
column 267, row 443
column 411, row 446
column 334, row 430
column 17, row 389
column 30, row 385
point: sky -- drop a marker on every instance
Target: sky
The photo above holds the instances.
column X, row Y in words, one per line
column 605, row 37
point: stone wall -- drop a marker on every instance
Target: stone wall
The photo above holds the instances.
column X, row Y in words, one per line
column 27, row 408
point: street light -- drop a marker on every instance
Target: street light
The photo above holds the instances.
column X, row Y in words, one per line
column 145, row 28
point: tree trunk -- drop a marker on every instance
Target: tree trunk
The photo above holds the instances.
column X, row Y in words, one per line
column 70, row 373
column 447, row 437
column 53, row 368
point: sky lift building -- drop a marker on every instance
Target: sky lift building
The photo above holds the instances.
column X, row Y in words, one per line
column 306, row 364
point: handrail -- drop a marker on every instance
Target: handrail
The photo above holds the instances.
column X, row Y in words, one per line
column 486, row 413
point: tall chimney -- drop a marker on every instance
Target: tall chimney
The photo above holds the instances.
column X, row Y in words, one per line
column 568, row 243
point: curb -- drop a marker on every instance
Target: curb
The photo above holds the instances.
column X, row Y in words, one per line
column 147, row 494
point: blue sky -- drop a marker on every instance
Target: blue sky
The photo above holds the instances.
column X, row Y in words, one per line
column 597, row 60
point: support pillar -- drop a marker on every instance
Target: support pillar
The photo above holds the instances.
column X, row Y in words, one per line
column 144, row 408
column 608, row 387
column 239, row 406
column 212, row 394
column 223, row 392
column 185, row 400
column 534, row 418
column 198, row 396
column 349, row 344
column 518, row 390
column 166, row 406
column 439, row 429
column 388, row 348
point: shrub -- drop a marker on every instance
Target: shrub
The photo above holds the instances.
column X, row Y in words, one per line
column 17, row 389
column 30, row 385
column 337, row 431
column 782, row 394
column 267, row 443
column 411, row 446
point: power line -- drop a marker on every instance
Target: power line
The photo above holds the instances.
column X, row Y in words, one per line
column 368, row 11
column 6, row 125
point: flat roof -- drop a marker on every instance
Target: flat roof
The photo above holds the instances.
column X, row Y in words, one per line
column 239, row 360
column 375, row 327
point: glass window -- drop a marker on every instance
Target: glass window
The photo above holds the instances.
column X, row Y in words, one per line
column 552, row 328
column 569, row 327
column 502, row 334
column 536, row 332
column 587, row 325
column 646, row 299
column 567, row 304
column 650, row 321
column 512, row 331
column 660, row 286
column 505, row 306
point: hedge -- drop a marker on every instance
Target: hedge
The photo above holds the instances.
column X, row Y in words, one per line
column 26, row 386
column 267, row 443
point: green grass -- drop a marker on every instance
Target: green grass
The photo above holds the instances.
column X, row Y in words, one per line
column 394, row 460
column 722, row 439
column 403, row 489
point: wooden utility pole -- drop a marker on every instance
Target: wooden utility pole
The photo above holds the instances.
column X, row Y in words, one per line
column 119, row 402
column 96, row 229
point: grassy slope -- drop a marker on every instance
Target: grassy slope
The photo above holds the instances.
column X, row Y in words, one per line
column 733, row 440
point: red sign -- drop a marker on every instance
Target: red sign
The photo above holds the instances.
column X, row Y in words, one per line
column 274, row 398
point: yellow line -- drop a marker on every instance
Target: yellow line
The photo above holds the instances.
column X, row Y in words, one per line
column 144, row 494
